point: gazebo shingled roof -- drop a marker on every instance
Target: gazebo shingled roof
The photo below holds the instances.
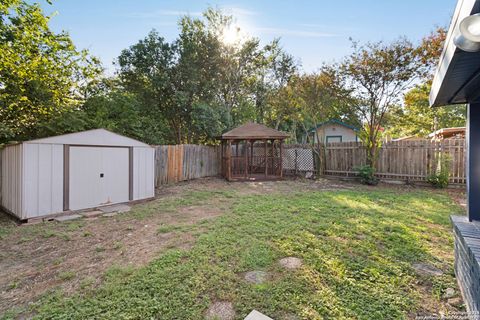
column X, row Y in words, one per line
column 254, row 131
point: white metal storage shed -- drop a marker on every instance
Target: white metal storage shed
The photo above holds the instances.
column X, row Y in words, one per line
column 74, row 171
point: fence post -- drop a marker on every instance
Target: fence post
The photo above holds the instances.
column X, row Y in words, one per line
column 296, row 161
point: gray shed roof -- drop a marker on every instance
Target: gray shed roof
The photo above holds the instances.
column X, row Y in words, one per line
column 95, row 137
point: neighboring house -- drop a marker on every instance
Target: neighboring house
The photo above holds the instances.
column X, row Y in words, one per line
column 448, row 133
column 408, row 138
column 334, row 131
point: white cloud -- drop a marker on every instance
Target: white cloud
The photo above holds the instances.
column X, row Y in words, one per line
column 238, row 12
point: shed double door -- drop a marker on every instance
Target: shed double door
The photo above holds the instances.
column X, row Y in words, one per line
column 98, row 176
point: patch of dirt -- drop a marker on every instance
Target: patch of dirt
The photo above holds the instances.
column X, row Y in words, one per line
column 221, row 310
column 424, row 269
column 67, row 259
column 192, row 214
column 459, row 196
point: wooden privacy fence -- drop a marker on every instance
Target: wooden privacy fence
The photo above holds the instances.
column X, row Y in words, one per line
column 185, row 162
column 400, row 160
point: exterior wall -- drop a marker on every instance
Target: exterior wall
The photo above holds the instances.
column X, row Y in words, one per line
column 467, row 260
column 42, row 179
column 11, row 158
column 143, row 173
column 347, row 134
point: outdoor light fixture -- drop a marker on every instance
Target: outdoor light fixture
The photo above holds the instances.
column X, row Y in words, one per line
column 469, row 37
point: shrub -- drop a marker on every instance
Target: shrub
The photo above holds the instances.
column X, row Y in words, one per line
column 367, row 175
column 439, row 179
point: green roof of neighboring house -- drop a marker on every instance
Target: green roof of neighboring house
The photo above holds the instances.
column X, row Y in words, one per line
column 334, row 121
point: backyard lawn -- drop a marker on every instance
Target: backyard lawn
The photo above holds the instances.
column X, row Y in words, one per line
column 174, row 257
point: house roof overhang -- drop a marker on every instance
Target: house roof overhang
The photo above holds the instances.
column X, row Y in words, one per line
column 457, row 78
column 334, row 121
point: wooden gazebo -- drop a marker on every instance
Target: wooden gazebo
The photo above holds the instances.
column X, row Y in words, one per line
column 252, row 152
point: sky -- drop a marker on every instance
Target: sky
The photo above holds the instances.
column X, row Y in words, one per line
column 314, row 32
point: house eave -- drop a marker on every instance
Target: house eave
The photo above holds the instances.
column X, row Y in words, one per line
column 457, row 73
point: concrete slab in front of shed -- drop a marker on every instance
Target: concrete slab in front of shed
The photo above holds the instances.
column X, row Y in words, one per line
column 255, row 315
column 115, row 208
column 92, row 214
column 110, row 214
column 67, row 217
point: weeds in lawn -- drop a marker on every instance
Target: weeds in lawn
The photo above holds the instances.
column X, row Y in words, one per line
column 67, row 275
column 357, row 247
column 99, row 249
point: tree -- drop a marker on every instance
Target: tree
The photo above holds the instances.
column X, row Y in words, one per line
column 201, row 73
column 146, row 72
column 42, row 74
column 417, row 118
column 378, row 74
column 323, row 96
column 310, row 99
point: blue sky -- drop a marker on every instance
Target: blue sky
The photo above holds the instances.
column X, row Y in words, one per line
column 313, row 31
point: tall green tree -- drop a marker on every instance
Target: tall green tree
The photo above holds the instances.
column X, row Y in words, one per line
column 378, row 74
column 42, row 74
column 146, row 72
column 415, row 117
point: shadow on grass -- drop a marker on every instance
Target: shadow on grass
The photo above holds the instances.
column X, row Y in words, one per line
column 357, row 249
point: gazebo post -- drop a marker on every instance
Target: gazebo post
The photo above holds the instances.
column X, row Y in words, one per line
column 246, row 158
column 281, row 158
column 252, row 142
column 273, row 156
column 229, row 160
column 266, row 157
column 221, row 160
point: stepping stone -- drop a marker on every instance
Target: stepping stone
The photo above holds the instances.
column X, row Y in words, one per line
column 110, row 214
column 291, row 263
column 221, row 310
column 115, row 208
column 256, row 277
column 92, row 214
column 67, row 217
column 449, row 293
column 255, row 315
column 426, row 269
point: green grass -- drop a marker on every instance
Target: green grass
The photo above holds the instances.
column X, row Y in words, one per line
column 357, row 248
column 66, row 275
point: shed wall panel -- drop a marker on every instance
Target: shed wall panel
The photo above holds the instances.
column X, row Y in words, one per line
column 98, row 176
column 43, row 179
column 143, row 173
column 11, row 179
